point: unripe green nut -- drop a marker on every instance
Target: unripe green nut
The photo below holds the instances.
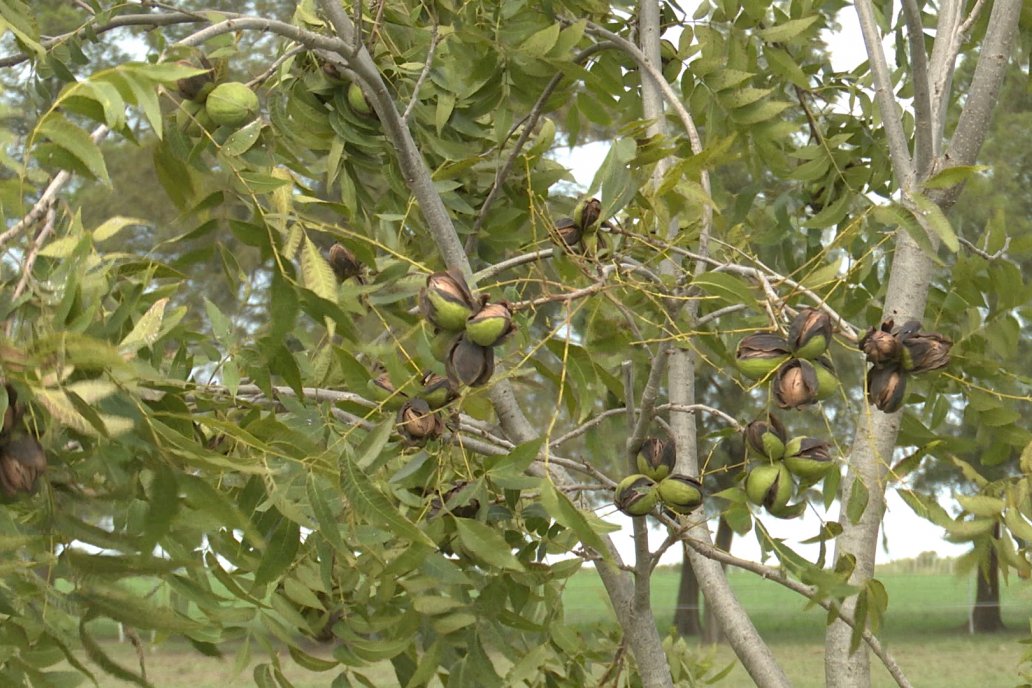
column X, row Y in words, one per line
column 808, row 469
column 636, row 495
column 490, row 325
column 773, row 447
column 439, row 342
column 357, row 100
column 827, row 383
column 769, row 485
column 656, row 458
column 680, row 493
column 758, row 368
column 231, row 104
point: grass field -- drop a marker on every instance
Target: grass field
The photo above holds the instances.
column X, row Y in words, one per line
column 924, row 628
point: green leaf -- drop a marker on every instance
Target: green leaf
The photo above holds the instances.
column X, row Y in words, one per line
column 241, row 140
column 135, row 610
column 283, row 544
column 727, row 78
column 221, row 326
column 859, row 621
column 16, row 16
column 76, row 142
column 146, row 98
column 486, row 544
column 115, row 566
column 1018, row 524
column 857, row 504
column 162, row 506
column 1025, row 462
column 952, row 176
column 727, row 287
column 981, row 505
column 782, row 64
column 831, row 214
column 934, row 221
column 877, row 603
column 517, row 461
column 963, row 531
column 162, row 72
column 97, row 655
column 925, row 507
column 895, row 216
column 569, row 516
column 329, row 527
column 969, row 471
column 372, row 504
column 911, row 461
column 371, row 448
column 786, row 31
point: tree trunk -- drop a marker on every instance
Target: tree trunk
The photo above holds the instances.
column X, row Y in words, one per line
column 985, row 615
column 711, row 631
column 905, row 297
column 686, row 614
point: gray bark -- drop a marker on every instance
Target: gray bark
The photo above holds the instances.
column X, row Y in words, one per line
column 754, row 654
column 906, row 296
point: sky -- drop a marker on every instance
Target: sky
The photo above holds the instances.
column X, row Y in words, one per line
column 904, row 533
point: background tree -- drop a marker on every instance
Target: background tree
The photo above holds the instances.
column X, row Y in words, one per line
column 247, row 448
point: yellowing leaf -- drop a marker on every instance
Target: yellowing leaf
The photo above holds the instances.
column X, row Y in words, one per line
column 317, row 273
column 114, row 225
column 541, row 42
column 147, row 329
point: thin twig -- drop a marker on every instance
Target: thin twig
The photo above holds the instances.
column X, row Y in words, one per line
column 587, row 425
column 559, row 298
column 47, row 198
column 126, row 20
column 277, row 63
column 516, row 261
column 719, row 313
column 45, row 233
column 530, row 123
column 693, row 408
column 996, row 255
column 422, row 75
column 899, row 152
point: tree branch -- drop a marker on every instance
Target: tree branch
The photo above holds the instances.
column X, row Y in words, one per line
column 943, row 64
column 899, row 151
column 772, row 574
column 530, row 123
column 427, row 64
column 126, row 20
column 922, row 98
column 973, row 126
column 906, row 297
column 754, row 654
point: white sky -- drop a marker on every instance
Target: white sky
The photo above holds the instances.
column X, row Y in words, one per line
column 905, row 534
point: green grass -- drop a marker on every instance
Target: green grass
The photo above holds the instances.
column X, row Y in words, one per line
column 924, row 629
column 917, row 604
